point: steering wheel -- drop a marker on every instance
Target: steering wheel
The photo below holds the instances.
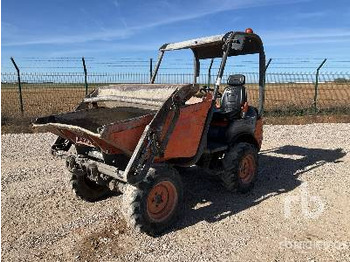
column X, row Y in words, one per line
column 205, row 89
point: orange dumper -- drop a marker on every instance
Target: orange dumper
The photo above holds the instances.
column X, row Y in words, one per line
column 131, row 137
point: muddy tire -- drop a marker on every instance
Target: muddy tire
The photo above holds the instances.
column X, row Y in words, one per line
column 155, row 204
column 86, row 189
column 240, row 167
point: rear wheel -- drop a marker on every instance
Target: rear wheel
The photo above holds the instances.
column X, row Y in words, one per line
column 155, row 204
column 87, row 189
column 240, row 167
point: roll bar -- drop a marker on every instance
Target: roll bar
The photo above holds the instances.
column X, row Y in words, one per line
column 224, row 46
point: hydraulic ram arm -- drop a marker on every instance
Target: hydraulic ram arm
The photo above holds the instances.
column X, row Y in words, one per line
column 153, row 140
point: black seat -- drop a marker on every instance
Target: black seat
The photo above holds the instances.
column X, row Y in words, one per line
column 233, row 97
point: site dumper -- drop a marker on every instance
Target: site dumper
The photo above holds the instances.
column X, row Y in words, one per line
column 131, row 138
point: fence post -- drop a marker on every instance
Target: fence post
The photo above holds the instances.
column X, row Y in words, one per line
column 150, row 68
column 85, row 76
column 19, row 85
column 209, row 71
column 316, row 83
column 268, row 64
column 266, row 67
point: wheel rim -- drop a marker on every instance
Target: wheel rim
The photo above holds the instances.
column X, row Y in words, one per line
column 247, row 168
column 162, row 201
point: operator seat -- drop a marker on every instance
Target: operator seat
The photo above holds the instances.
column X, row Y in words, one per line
column 231, row 103
column 233, row 97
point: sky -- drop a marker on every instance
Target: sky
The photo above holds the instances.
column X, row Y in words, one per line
column 119, row 29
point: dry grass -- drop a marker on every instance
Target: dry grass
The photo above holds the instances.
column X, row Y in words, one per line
column 280, row 99
column 39, row 102
column 279, row 96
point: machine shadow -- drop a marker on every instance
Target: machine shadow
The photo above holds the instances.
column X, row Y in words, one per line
column 279, row 168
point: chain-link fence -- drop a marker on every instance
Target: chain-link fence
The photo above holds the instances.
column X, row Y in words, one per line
column 285, row 93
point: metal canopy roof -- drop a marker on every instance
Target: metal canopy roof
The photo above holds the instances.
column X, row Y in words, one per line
column 195, row 43
column 212, row 46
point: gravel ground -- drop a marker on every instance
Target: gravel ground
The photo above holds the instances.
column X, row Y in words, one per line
column 299, row 209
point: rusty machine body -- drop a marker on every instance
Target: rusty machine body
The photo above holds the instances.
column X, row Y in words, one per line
column 131, row 137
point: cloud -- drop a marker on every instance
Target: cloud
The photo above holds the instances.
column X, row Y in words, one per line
column 70, row 39
column 9, row 28
column 167, row 16
column 297, row 36
column 212, row 7
column 116, row 3
column 309, row 15
column 98, row 49
column 296, row 17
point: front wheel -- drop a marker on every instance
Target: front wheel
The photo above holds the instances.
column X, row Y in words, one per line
column 240, row 167
column 87, row 189
column 154, row 204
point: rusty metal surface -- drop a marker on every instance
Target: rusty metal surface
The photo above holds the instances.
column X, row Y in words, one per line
column 94, row 118
column 119, row 137
column 137, row 95
column 155, row 137
column 186, row 136
column 143, row 135
column 213, row 46
column 193, row 43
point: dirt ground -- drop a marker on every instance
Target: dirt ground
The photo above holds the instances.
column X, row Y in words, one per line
column 298, row 211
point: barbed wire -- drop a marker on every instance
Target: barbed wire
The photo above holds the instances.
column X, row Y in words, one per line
column 32, row 64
